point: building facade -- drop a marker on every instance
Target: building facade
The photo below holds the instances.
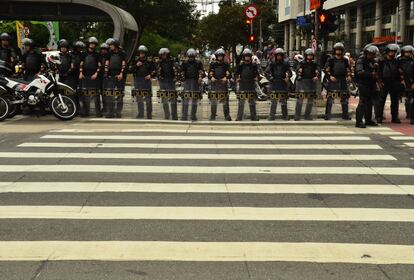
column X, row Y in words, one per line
column 361, row 22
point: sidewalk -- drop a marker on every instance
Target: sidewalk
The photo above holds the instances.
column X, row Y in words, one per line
column 263, row 107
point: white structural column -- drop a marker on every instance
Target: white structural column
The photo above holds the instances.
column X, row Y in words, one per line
column 358, row 40
column 292, row 35
column 378, row 18
column 347, row 27
column 402, row 16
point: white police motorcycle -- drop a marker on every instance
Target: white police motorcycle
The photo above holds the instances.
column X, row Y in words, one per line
column 44, row 90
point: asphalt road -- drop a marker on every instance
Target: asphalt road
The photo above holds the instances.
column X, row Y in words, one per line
column 99, row 199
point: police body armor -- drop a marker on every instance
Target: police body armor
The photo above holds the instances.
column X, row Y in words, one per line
column 73, row 77
column 64, row 67
column 32, row 63
column 113, row 89
column 6, row 54
column 279, row 88
column 278, row 72
column 248, row 73
column 191, row 72
column 247, row 90
column 367, row 88
column 339, row 88
column 306, row 88
column 90, row 67
column 167, row 94
column 142, row 87
column 219, row 90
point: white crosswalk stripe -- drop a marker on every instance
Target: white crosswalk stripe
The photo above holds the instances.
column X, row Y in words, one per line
column 202, row 146
column 77, row 178
column 206, row 213
column 97, row 187
column 250, row 157
column 397, row 171
column 211, row 251
column 209, row 138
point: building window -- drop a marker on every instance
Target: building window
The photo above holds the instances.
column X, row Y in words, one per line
column 409, row 8
column 389, row 8
column 353, row 18
column 368, row 15
column 386, row 32
column 367, row 37
column 287, row 7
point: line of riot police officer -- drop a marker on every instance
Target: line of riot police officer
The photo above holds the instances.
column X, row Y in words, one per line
column 379, row 77
column 95, row 75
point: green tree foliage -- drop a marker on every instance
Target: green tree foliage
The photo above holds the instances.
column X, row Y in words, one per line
column 173, row 20
column 228, row 27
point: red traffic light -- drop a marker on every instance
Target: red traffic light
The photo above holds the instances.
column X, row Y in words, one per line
column 251, row 38
column 248, row 21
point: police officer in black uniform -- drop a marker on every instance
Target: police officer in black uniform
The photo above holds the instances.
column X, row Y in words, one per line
column 366, row 74
column 143, row 70
column 279, row 74
column 391, row 80
column 73, row 75
column 115, row 74
column 7, row 54
column 89, row 72
column 104, row 54
column 247, row 74
column 192, row 72
column 219, row 74
column 167, row 73
column 338, row 74
column 406, row 64
column 32, row 60
column 65, row 61
column 308, row 74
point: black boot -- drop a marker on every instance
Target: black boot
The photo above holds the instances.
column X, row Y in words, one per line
column 119, row 106
column 272, row 113
column 194, row 107
column 174, row 113
column 285, row 115
column 240, row 110
column 166, row 108
column 149, row 107
column 298, row 109
column 328, row 108
column 140, row 105
column 184, row 111
column 253, row 114
column 213, row 110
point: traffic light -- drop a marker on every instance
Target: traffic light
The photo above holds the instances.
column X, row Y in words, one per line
column 328, row 22
column 322, row 18
column 251, row 39
column 248, row 21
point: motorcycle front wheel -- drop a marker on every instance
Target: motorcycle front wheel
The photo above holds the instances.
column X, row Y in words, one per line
column 63, row 111
column 4, row 108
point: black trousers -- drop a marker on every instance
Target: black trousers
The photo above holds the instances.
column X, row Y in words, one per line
column 252, row 107
column 114, row 106
column 368, row 98
column 273, row 108
column 226, row 108
column 85, row 105
column 140, row 103
column 166, row 107
column 344, row 105
column 393, row 90
column 194, row 107
column 308, row 108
